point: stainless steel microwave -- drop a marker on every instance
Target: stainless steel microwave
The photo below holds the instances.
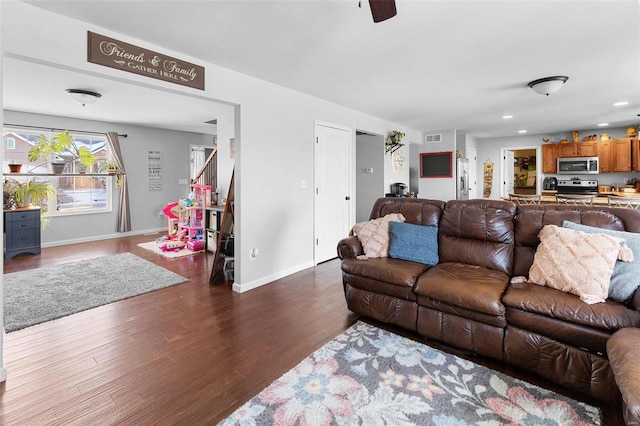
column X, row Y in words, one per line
column 578, row 165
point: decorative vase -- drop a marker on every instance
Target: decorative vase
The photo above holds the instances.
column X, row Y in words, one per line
column 576, row 136
column 15, row 168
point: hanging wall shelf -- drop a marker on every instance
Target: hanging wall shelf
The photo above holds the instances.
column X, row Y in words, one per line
column 391, row 147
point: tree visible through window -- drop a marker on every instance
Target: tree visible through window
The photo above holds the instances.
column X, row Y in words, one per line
column 79, row 189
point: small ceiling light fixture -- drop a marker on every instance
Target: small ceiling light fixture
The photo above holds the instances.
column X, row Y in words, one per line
column 83, row 97
column 621, row 103
column 522, row 131
column 548, row 85
column 507, row 116
column 603, row 124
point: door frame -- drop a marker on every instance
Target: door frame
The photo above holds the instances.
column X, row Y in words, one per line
column 538, row 149
column 351, row 172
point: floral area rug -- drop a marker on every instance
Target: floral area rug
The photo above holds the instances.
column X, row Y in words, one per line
column 368, row 376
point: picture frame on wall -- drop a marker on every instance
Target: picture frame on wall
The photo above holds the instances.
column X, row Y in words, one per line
column 436, row 164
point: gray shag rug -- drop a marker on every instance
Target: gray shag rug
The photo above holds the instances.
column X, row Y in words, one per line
column 38, row 295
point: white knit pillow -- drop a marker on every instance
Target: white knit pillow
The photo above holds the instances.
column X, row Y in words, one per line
column 374, row 234
column 575, row 262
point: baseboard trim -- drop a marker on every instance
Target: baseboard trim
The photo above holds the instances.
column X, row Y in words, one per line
column 102, row 237
column 241, row 288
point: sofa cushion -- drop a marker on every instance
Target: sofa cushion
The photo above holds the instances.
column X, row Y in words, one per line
column 385, row 270
column 416, row 243
column 465, row 286
column 530, row 219
column 374, row 234
column 564, row 318
column 575, row 262
column 478, row 232
column 626, row 275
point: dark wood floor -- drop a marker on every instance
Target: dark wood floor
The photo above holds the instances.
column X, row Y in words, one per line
column 188, row 354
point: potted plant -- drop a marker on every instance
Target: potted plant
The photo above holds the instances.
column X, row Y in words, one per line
column 393, row 141
column 60, row 150
column 30, row 193
column 111, row 167
column 15, row 168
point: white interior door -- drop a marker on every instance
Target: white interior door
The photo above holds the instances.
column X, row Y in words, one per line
column 332, row 185
column 507, row 170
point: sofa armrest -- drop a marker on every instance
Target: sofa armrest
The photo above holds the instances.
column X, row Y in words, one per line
column 349, row 248
column 635, row 300
column 623, row 351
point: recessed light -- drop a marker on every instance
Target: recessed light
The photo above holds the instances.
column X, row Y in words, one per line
column 623, row 103
column 522, row 131
column 507, row 116
column 603, row 124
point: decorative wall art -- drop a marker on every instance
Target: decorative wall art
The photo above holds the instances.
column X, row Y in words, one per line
column 155, row 170
column 488, row 179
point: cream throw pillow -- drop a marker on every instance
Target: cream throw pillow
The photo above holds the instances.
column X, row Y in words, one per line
column 374, row 235
column 575, row 262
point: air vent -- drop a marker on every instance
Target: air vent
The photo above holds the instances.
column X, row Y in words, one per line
column 432, row 138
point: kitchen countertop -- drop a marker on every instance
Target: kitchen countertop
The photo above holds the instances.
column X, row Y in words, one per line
column 548, row 196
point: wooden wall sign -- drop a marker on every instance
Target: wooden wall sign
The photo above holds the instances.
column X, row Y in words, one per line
column 117, row 54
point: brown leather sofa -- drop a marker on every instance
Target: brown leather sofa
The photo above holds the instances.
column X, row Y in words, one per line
column 466, row 301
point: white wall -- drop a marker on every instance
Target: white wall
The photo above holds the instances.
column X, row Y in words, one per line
column 390, row 176
column 438, row 188
column 273, row 129
column 369, row 186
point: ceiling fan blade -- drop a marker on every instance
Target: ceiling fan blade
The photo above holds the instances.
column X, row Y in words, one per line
column 382, row 9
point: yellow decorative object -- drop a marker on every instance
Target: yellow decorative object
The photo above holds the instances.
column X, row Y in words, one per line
column 576, row 136
column 631, row 131
column 604, row 137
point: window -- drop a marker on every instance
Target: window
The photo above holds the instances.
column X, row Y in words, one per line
column 11, row 143
column 79, row 189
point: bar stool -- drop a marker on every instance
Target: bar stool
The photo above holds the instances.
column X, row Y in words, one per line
column 524, row 199
column 631, row 202
column 575, row 199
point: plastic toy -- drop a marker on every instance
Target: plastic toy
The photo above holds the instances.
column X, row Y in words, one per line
column 172, row 246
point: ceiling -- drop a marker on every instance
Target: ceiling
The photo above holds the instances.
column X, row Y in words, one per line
column 437, row 65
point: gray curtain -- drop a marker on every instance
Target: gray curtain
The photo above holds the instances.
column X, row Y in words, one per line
column 124, row 218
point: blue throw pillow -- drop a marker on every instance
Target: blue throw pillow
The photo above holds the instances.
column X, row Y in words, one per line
column 416, row 243
column 626, row 275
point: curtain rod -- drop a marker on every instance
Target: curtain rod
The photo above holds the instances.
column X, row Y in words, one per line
column 60, row 130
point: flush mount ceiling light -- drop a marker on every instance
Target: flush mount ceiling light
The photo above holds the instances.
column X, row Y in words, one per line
column 548, row 85
column 83, row 97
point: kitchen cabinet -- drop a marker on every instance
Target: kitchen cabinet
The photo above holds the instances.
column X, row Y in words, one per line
column 621, row 155
column 604, row 155
column 635, row 155
column 549, row 158
column 578, row 149
column 618, row 155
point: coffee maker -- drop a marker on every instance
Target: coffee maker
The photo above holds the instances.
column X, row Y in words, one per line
column 550, row 183
column 397, row 190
